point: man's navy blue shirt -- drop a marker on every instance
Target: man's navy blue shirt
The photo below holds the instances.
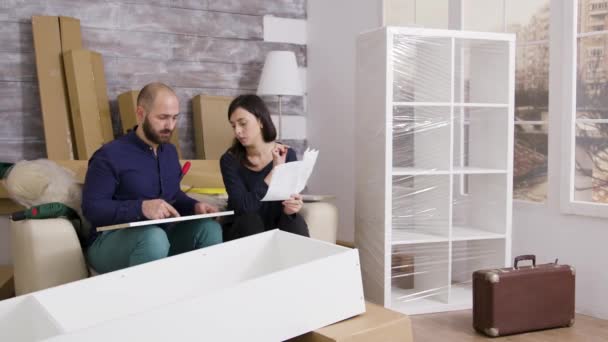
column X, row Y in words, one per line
column 125, row 172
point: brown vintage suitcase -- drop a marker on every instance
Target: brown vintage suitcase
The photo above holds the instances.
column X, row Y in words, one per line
column 519, row 299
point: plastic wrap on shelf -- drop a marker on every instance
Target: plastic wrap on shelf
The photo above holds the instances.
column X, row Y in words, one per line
column 427, row 80
column 420, row 208
column 480, row 139
column 419, row 272
column 470, row 256
column 434, row 152
column 421, row 137
column 476, row 79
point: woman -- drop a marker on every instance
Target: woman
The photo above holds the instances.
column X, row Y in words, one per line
column 247, row 169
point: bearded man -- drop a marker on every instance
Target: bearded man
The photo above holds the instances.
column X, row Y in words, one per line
column 137, row 177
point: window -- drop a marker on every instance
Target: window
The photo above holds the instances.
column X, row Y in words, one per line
column 589, row 165
column 529, row 20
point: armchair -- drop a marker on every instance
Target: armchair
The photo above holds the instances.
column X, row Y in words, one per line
column 47, row 252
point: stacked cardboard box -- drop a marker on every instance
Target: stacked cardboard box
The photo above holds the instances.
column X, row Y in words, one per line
column 73, row 94
column 52, row 85
column 83, row 102
column 212, row 132
column 376, row 324
column 7, row 286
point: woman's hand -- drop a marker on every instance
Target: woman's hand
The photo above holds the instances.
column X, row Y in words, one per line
column 293, row 205
column 279, row 154
column 204, row 208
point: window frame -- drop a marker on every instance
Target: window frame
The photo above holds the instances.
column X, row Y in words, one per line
column 458, row 5
column 570, row 35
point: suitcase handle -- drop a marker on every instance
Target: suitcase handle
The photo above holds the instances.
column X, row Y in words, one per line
column 525, row 257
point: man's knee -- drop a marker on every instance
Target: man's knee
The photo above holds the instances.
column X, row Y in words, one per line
column 152, row 244
column 209, row 233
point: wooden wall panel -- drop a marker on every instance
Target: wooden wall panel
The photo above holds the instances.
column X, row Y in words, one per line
column 212, row 47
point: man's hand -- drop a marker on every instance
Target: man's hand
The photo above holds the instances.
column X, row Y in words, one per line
column 158, row 209
column 204, row 208
column 293, row 205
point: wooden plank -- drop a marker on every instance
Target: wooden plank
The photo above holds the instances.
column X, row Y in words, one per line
column 17, row 149
column 18, row 125
column 16, row 37
column 184, row 74
column 19, row 67
column 206, row 49
column 163, row 46
column 184, row 21
column 457, row 326
column 19, row 96
column 125, row 43
column 280, row 8
column 92, row 14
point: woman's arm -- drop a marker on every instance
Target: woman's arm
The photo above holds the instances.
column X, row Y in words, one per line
column 239, row 198
column 280, row 154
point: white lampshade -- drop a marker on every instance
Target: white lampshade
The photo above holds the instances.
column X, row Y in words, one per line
column 280, row 75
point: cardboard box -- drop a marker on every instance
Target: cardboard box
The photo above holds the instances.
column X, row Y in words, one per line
column 71, row 37
column 83, row 102
column 52, row 85
column 376, row 324
column 127, row 105
column 402, row 270
column 286, row 286
column 7, row 285
column 213, row 134
column 103, row 103
column 203, row 174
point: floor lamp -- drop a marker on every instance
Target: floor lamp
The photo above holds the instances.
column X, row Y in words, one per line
column 280, row 77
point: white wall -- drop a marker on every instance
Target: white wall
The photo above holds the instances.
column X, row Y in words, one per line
column 332, row 30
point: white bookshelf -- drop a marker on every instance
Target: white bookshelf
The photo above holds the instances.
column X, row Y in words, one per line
column 434, row 161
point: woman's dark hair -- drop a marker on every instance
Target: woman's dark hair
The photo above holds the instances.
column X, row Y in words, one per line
column 256, row 106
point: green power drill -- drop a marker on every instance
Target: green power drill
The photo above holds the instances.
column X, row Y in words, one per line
column 44, row 211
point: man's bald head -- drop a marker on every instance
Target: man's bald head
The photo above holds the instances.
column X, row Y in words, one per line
column 147, row 95
column 157, row 113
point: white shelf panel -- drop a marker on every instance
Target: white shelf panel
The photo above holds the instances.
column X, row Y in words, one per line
column 423, row 305
column 461, row 295
column 412, row 171
column 448, row 104
column 410, row 237
column 468, row 234
column 482, row 105
column 469, row 170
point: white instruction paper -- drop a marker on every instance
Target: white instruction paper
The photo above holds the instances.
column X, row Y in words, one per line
column 290, row 178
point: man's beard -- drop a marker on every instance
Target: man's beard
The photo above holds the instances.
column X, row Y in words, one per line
column 155, row 137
